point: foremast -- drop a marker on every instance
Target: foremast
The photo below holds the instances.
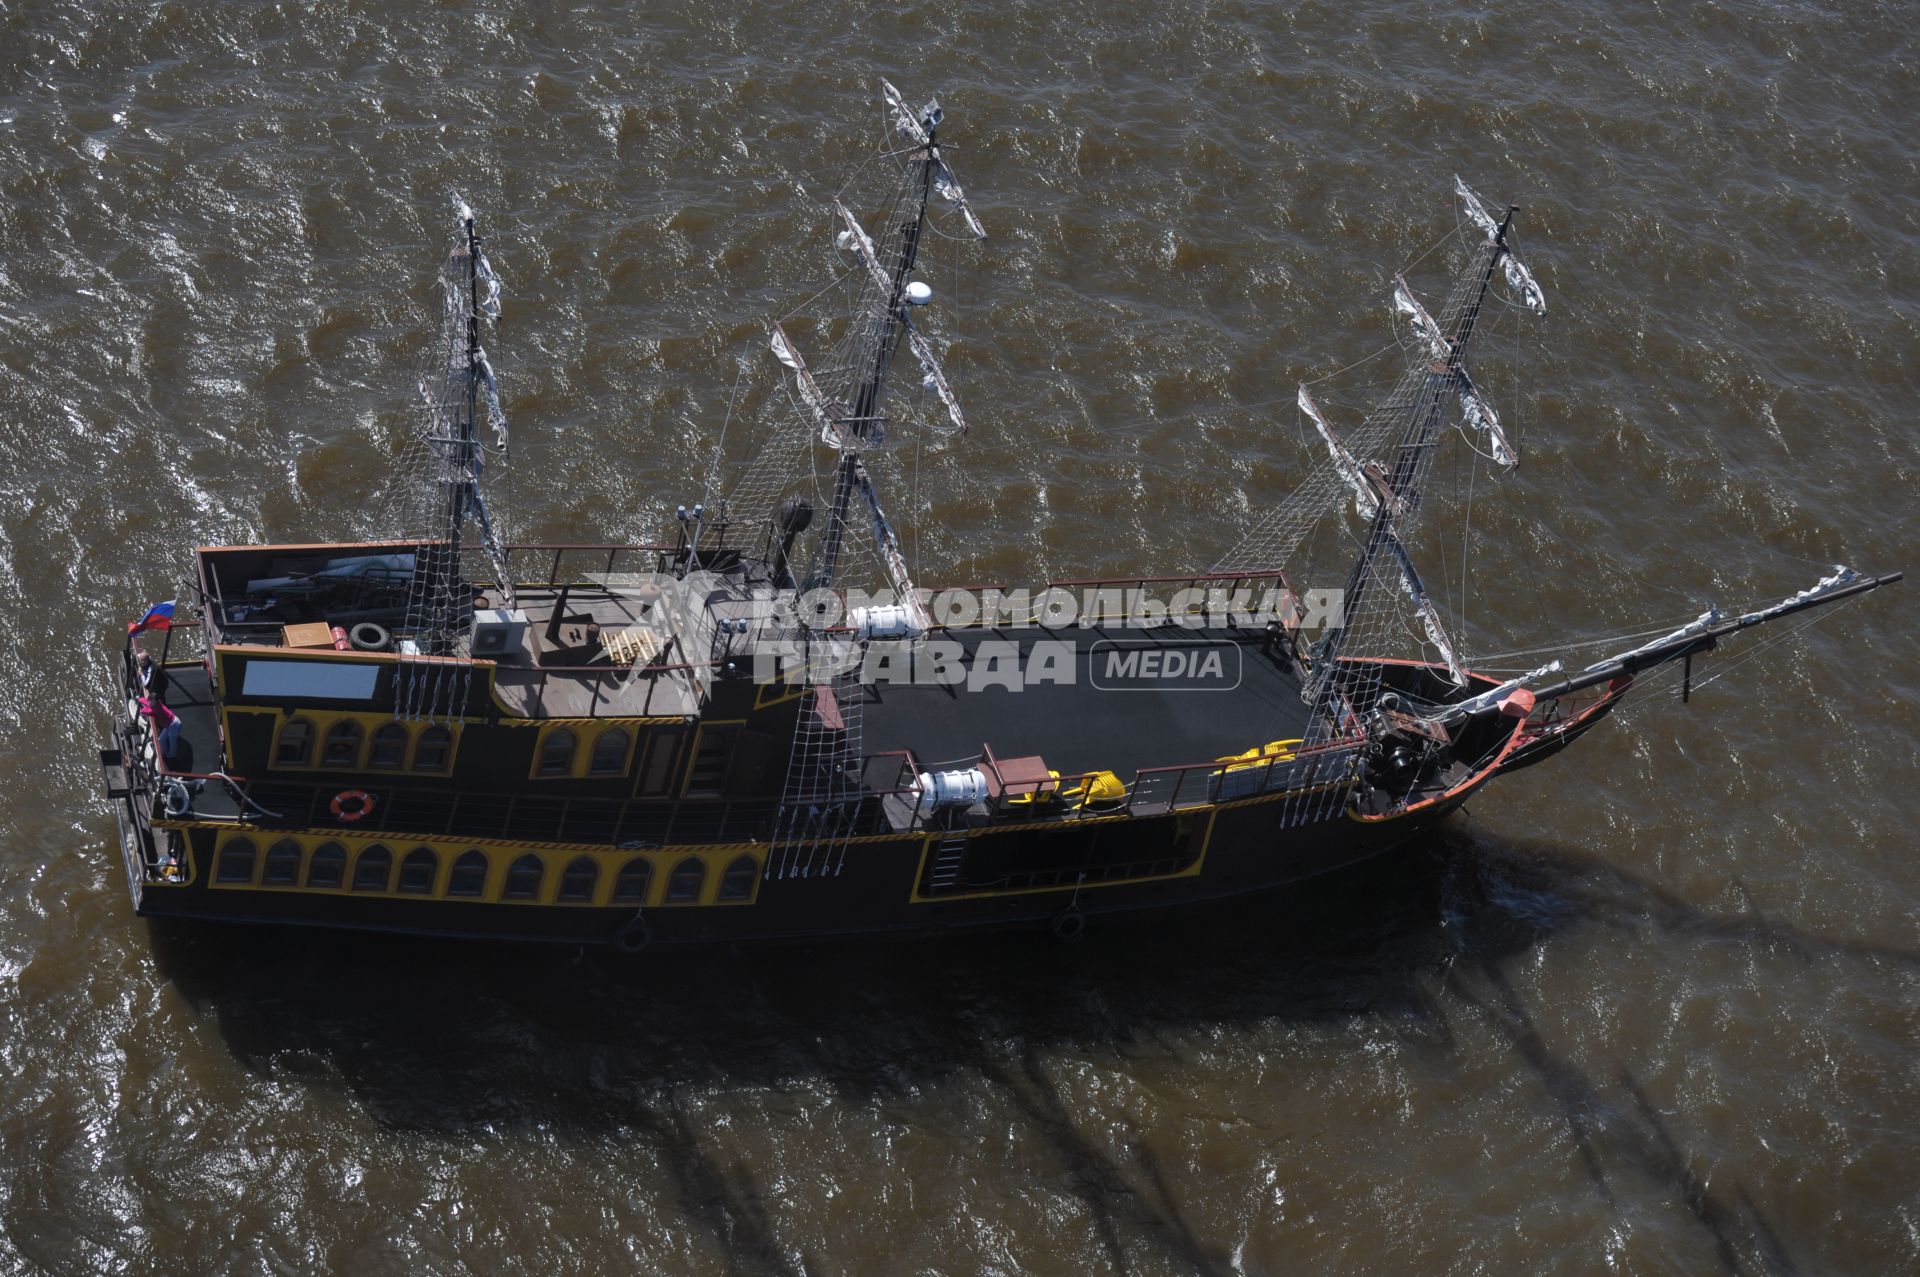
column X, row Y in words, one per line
column 1338, row 689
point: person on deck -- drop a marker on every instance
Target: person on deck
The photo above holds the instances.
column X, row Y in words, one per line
column 153, row 678
column 164, row 723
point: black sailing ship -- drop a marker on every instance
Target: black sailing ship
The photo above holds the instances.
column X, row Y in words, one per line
column 763, row 729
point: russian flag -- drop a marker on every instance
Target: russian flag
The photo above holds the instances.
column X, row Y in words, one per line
column 158, row 617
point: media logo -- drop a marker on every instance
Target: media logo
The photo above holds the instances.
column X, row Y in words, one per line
column 1192, row 665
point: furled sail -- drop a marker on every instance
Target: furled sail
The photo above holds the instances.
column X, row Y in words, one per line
column 1476, row 211
column 832, row 433
column 1493, row 696
column 949, row 190
column 930, row 375
column 1429, row 615
column 1699, row 625
column 935, row 380
column 1365, row 502
column 1519, row 278
column 839, row 436
column 1480, row 415
column 919, row 129
column 496, row 415
column 912, row 127
column 857, row 238
column 1842, row 576
column 894, row 561
column 1407, row 304
column 483, row 269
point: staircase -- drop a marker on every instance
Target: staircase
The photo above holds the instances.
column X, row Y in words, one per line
column 947, row 855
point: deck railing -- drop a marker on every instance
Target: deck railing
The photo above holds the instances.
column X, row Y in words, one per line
column 455, row 814
column 575, row 559
column 448, row 814
column 1154, row 791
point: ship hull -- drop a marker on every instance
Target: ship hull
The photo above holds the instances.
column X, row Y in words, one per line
column 877, row 892
column 1211, row 834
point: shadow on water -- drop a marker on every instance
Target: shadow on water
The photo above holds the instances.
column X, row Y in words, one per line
column 450, row 1037
column 444, row 1035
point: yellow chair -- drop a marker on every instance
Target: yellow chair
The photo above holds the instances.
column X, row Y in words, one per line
column 1036, row 794
column 1096, row 789
column 1278, row 751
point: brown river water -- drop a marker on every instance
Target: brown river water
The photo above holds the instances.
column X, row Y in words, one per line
column 1648, row 1008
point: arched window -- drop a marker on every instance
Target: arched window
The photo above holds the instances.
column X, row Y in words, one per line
column 283, row 864
column 610, row 753
column 236, row 861
column 737, row 882
column 578, row 879
column 469, row 874
column 684, row 885
column 295, row 746
column 433, row 750
column 328, row 867
column 417, row 871
column 342, row 747
column 630, row 887
column 389, row 752
column 556, row 753
column 523, row 879
column 372, row 869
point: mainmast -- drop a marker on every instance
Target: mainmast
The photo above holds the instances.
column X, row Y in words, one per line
column 845, row 403
column 866, row 422
column 854, row 420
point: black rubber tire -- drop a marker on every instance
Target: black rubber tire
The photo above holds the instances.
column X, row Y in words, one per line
column 1069, row 924
column 633, row 936
column 368, row 637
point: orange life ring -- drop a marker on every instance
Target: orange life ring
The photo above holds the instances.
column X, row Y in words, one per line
column 363, row 805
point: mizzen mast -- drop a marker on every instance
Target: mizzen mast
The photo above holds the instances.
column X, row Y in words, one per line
column 457, row 385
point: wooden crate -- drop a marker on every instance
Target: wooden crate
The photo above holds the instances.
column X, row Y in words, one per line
column 311, row 634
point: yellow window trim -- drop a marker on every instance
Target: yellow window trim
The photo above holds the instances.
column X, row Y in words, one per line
column 323, row 722
column 778, row 692
column 500, row 859
column 600, row 720
column 626, row 759
column 586, row 737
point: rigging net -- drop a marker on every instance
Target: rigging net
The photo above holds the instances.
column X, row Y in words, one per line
column 831, row 538
column 1384, row 465
column 437, row 493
